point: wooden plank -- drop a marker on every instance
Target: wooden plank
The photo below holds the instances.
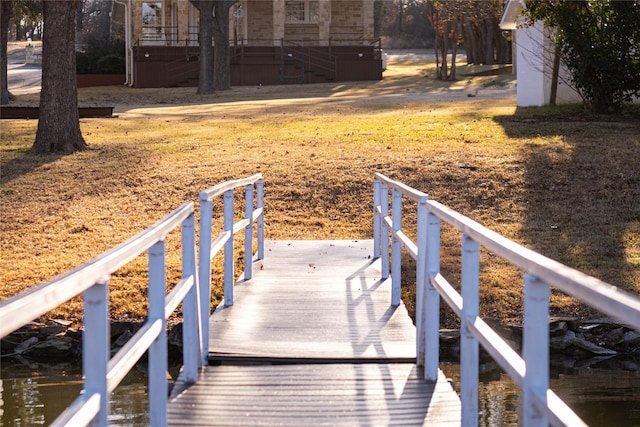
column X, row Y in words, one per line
column 10, row 112
column 314, row 300
column 314, row 395
column 321, row 308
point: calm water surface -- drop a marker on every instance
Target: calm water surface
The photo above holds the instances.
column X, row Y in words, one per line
column 602, row 397
column 30, row 397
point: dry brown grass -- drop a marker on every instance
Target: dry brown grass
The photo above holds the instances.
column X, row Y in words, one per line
column 560, row 182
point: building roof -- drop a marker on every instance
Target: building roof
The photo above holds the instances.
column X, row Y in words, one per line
column 512, row 12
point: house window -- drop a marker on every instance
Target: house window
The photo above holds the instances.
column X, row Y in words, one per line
column 152, row 21
column 302, row 11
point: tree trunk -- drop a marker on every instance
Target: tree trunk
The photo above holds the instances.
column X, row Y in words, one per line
column 5, row 18
column 205, row 35
column 221, row 48
column 489, row 48
column 469, row 40
column 432, row 14
column 79, row 16
column 502, row 47
column 437, row 47
column 59, row 124
column 444, row 50
column 454, row 49
column 554, row 76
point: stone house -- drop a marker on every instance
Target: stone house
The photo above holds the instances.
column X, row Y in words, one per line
column 272, row 41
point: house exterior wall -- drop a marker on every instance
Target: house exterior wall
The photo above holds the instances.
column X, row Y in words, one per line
column 278, row 20
column 308, row 32
column 261, row 32
column 347, row 20
column 263, row 22
column 534, row 59
column 339, row 22
column 181, row 10
column 324, row 40
column 531, row 65
column 565, row 93
column 136, row 21
column 324, row 22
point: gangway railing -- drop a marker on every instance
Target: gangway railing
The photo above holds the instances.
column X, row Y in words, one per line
column 209, row 247
column 310, row 58
column 102, row 374
column 540, row 405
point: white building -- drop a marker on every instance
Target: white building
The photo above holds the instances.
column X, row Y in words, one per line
column 533, row 60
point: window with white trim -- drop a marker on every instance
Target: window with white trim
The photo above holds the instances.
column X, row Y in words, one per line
column 302, row 11
column 152, row 21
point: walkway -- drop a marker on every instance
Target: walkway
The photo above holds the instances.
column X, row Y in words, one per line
column 313, row 340
column 22, row 77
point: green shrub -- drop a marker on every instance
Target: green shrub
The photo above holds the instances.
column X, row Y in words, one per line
column 111, row 64
column 82, row 63
column 600, row 43
column 96, row 48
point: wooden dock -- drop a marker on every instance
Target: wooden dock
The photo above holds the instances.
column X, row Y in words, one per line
column 313, row 340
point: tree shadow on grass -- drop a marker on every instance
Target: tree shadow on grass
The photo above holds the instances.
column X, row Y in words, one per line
column 14, row 165
column 582, row 187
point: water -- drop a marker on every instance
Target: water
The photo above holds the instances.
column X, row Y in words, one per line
column 602, row 397
column 31, row 397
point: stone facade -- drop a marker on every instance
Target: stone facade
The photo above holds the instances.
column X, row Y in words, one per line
column 255, row 22
column 273, row 42
column 261, row 32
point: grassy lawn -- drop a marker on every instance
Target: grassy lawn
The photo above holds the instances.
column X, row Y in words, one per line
column 561, row 182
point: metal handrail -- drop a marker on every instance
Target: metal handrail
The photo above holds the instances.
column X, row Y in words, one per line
column 102, row 374
column 531, row 370
column 210, row 247
column 310, row 58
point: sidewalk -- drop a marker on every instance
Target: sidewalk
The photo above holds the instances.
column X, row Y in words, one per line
column 22, row 78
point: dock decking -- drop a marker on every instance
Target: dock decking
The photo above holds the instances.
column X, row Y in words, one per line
column 313, row 340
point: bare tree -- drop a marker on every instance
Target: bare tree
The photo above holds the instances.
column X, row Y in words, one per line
column 474, row 23
column 205, row 36
column 444, row 17
column 94, row 17
column 27, row 18
column 59, row 123
column 6, row 11
column 221, row 47
column 403, row 23
column 215, row 70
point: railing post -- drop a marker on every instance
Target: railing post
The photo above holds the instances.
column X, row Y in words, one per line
column 260, row 205
column 396, row 247
column 421, row 277
column 376, row 218
column 384, row 231
column 432, row 301
column 248, row 233
column 535, row 349
column 204, row 271
column 158, row 349
column 228, row 249
column 95, row 347
column 191, row 340
column 469, row 351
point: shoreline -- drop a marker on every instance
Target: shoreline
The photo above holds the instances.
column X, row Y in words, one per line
column 573, row 343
